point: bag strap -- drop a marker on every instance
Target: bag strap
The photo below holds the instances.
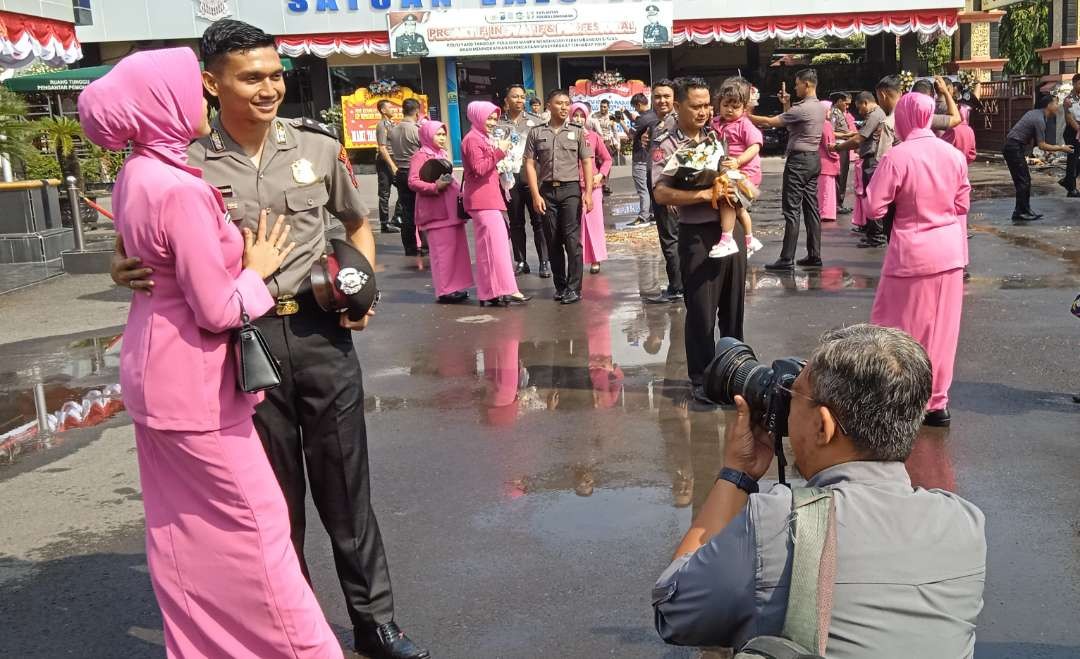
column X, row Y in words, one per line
column 813, row 568
column 244, row 318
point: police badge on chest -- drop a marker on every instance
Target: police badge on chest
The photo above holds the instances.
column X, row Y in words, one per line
column 303, row 172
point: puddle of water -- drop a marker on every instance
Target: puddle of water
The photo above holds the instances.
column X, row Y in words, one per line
column 833, row 278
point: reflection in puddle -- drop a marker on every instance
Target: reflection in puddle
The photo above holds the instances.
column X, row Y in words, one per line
column 78, row 378
column 833, row 278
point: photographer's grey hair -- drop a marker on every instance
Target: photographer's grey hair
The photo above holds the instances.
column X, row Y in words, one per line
column 877, row 381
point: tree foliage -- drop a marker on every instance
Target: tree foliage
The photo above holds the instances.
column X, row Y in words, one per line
column 935, row 54
column 1025, row 28
column 62, row 134
column 16, row 131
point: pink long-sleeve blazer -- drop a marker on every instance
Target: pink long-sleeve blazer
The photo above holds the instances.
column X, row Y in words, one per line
column 177, row 366
column 601, row 156
column 926, row 180
column 483, row 192
column 830, row 160
column 434, row 209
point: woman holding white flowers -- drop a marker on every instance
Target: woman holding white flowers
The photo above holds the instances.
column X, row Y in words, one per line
column 485, row 202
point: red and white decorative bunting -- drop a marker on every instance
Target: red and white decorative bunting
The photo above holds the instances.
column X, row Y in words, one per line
column 325, row 45
column 929, row 23
column 26, row 38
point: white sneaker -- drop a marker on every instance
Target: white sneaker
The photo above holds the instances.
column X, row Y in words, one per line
column 753, row 246
column 726, row 247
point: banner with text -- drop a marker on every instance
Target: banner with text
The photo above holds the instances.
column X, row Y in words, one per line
column 510, row 31
column 360, row 114
column 618, row 96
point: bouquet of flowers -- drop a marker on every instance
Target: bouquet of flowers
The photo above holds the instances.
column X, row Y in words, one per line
column 907, row 81
column 385, row 87
column 967, row 81
column 608, row 78
column 510, row 165
column 1063, row 91
column 734, row 189
column 696, row 167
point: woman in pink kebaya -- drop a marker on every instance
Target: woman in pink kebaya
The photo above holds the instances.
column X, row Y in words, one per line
column 437, row 216
column 921, row 292
column 222, row 564
column 485, row 202
column 830, row 169
column 593, row 238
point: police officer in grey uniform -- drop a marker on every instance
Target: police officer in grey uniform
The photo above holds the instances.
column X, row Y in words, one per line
column 552, row 154
column 315, row 418
column 385, row 169
column 517, row 123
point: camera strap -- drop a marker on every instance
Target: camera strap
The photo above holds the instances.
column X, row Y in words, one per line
column 813, row 569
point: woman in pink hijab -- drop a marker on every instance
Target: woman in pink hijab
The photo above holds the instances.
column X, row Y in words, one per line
column 922, row 278
column 224, row 570
column 593, row 239
column 485, row 202
column 437, row 216
column 830, row 169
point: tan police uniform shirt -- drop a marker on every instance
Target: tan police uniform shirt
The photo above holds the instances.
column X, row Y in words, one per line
column 668, row 139
column 404, row 142
column 382, row 135
column 557, row 152
column 304, row 172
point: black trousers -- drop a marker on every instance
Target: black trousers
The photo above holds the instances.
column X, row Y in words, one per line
column 715, row 292
column 316, row 419
column 800, row 203
column 667, row 228
column 407, row 203
column 562, row 227
column 842, row 179
column 1021, row 175
column 1069, row 137
column 519, row 208
column 386, row 181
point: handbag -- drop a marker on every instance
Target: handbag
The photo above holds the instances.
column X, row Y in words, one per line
column 257, row 368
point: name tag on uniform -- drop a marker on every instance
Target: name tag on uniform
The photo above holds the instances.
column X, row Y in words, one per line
column 232, row 205
column 530, row 123
column 226, row 190
column 572, row 136
column 304, row 172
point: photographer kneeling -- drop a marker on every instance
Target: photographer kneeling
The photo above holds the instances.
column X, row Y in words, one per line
column 910, row 563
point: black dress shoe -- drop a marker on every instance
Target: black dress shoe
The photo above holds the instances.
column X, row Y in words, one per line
column 809, row 262
column 412, row 252
column 1025, row 217
column 674, row 295
column 387, row 642
column 858, row 229
column 525, row 269
column 558, row 296
column 519, row 268
column 780, row 266
column 449, row 299
column 843, row 210
column 1073, row 194
column 571, row 297
column 495, row 302
column 389, row 228
column 545, row 270
column 937, row 418
column 869, row 242
column 1076, row 398
column 1063, row 184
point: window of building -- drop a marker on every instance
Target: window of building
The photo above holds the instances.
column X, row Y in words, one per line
column 83, row 14
column 345, row 80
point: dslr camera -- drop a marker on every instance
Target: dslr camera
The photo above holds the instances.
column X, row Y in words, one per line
column 736, row 371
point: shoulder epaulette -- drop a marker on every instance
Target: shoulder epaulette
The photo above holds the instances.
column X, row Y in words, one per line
column 304, row 123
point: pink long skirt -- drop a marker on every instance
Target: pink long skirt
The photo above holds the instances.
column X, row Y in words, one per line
column 224, row 570
column 858, row 211
column 593, row 240
column 826, row 197
column 494, row 263
column 451, row 268
column 929, row 309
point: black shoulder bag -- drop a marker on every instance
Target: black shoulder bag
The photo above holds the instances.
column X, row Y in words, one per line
column 256, row 368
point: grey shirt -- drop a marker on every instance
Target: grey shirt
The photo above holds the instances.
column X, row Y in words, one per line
column 1030, row 129
column 557, row 152
column 871, row 133
column 910, row 570
column 382, row 133
column 667, row 139
column 404, row 142
column 304, row 173
column 804, row 121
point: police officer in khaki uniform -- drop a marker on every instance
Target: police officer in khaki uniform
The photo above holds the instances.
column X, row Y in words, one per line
column 552, row 153
column 315, row 418
column 385, row 169
column 516, row 123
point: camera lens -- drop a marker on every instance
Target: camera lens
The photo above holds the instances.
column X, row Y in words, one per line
column 735, row 371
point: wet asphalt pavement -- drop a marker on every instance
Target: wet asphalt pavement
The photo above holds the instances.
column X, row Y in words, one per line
column 534, row 467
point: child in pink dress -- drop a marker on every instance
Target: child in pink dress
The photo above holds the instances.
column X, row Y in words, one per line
column 744, row 142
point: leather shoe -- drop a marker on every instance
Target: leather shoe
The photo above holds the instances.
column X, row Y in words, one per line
column 389, row 228
column 780, row 266
column 843, row 210
column 570, row 297
column 558, row 296
column 809, row 262
column 545, row 270
column 1076, row 398
column 867, row 242
column 519, row 268
column 387, row 642
column 937, row 418
column 1025, row 217
column 1073, row 194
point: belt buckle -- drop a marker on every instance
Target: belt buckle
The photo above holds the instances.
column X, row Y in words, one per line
column 287, row 306
column 556, row 184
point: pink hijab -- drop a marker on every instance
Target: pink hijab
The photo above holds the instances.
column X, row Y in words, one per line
column 590, row 123
column 137, row 102
column 428, row 131
column 478, row 113
column 914, row 113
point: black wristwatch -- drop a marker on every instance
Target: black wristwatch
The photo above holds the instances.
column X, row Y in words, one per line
column 740, row 479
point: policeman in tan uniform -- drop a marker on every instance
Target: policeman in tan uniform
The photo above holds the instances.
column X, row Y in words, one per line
column 552, row 153
column 315, row 418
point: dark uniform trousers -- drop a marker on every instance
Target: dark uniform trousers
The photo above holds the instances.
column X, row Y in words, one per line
column 667, row 228
column 407, row 201
column 519, row 207
column 1021, row 175
column 842, row 179
column 562, row 226
column 316, row 418
column 800, row 199
column 1069, row 137
column 715, row 292
column 385, row 178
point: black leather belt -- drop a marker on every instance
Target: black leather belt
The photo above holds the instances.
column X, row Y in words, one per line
column 558, row 184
